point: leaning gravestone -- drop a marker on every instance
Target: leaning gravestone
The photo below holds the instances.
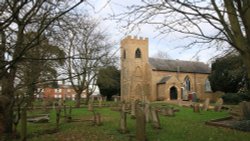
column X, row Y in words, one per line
column 147, row 112
column 140, row 124
column 206, row 104
column 155, row 118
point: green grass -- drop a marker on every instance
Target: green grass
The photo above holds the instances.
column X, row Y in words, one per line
column 185, row 126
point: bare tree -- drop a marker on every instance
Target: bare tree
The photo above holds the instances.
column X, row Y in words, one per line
column 89, row 48
column 210, row 23
column 17, row 19
column 161, row 55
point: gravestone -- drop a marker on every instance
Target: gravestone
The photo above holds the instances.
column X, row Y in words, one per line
column 90, row 106
column 168, row 111
column 123, row 106
column 194, row 97
column 100, row 101
column 123, row 122
column 218, row 105
column 206, row 104
column 196, row 107
column 69, row 115
column 133, row 107
column 58, row 114
column 242, row 112
column 140, row 124
column 98, row 119
column 245, row 109
column 147, row 111
column 155, row 118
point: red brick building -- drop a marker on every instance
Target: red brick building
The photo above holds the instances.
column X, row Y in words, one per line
column 62, row 92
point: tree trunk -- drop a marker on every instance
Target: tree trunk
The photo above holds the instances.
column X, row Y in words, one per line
column 78, row 100
column 87, row 99
column 246, row 60
column 8, row 91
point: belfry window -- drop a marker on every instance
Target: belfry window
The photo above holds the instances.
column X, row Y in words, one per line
column 138, row 53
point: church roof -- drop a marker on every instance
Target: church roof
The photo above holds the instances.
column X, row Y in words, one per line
column 179, row 65
column 164, row 80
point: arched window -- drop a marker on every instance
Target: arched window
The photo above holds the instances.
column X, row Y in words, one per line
column 207, row 86
column 124, row 54
column 187, row 83
column 138, row 53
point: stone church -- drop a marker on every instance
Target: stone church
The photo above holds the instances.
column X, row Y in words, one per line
column 155, row 79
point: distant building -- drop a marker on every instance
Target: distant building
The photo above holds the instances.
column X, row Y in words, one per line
column 160, row 79
column 62, row 92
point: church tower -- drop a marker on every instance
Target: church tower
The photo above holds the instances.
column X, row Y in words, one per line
column 134, row 64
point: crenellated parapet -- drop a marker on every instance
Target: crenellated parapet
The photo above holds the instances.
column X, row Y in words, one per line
column 134, row 40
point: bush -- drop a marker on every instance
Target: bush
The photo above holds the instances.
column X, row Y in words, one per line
column 243, row 125
column 235, row 98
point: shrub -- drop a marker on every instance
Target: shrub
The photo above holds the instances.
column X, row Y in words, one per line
column 243, row 125
column 235, row 98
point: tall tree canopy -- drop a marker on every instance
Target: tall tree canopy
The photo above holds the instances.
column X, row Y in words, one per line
column 108, row 81
column 17, row 18
column 217, row 23
column 228, row 74
column 89, row 48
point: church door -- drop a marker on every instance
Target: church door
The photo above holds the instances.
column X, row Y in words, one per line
column 173, row 93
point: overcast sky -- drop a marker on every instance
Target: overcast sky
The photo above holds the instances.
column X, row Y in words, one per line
column 102, row 9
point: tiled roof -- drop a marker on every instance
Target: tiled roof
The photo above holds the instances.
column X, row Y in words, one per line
column 164, row 80
column 179, row 65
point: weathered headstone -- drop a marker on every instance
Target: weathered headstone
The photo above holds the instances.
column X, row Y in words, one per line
column 196, row 107
column 206, row 104
column 123, row 122
column 23, row 124
column 194, row 97
column 98, row 119
column 105, row 99
column 147, row 111
column 133, row 106
column 218, row 105
column 100, row 101
column 168, row 111
column 115, row 99
column 245, row 109
column 58, row 114
column 69, row 115
column 90, row 106
column 140, row 124
column 123, row 106
column 155, row 118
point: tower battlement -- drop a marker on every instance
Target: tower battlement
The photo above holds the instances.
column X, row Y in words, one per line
column 134, row 40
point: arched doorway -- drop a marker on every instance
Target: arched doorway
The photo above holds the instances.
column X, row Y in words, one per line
column 173, row 93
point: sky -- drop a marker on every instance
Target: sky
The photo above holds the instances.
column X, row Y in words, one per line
column 102, row 9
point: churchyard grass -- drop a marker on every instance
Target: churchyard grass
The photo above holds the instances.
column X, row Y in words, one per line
column 185, row 126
